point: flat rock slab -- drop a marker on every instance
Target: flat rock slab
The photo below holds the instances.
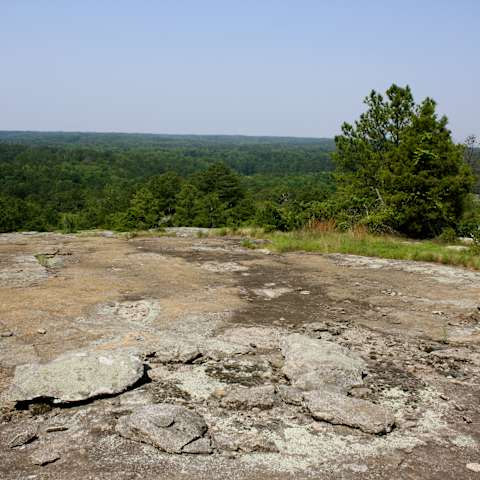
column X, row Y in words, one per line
column 181, row 348
column 338, row 409
column 45, row 456
column 77, row 376
column 21, row 271
column 26, row 435
column 222, row 267
column 311, row 364
column 172, row 348
column 216, row 349
column 170, row 428
column 242, row 397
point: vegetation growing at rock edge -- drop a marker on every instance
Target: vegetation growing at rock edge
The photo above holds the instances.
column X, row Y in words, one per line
column 397, row 169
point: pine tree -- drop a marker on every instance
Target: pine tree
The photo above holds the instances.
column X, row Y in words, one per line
column 186, row 209
column 398, row 167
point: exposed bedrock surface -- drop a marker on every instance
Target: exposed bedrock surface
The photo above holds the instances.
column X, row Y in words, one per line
column 196, row 358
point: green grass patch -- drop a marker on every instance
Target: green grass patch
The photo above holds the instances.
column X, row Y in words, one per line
column 369, row 245
column 247, row 243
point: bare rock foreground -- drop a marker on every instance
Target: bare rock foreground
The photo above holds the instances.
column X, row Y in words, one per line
column 193, row 358
column 76, row 377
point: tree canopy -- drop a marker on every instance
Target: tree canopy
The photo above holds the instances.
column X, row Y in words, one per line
column 398, row 167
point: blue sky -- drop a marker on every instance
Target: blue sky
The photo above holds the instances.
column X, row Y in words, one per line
column 264, row 67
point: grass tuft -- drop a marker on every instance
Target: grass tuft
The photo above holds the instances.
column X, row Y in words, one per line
column 360, row 242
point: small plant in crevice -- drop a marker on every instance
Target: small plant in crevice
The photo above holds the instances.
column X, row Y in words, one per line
column 247, row 243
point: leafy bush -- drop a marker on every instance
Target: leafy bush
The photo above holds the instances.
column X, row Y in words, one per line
column 379, row 222
column 448, row 235
column 70, row 222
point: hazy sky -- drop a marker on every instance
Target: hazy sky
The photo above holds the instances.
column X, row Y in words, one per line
column 254, row 67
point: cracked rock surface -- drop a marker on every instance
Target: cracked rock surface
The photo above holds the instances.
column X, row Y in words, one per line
column 312, row 363
column 170, row 428
column 332, row 407
column 196, row 358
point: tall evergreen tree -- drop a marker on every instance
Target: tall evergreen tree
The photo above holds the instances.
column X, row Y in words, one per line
column 186, row 205
column 398, row 166
column 223, row 181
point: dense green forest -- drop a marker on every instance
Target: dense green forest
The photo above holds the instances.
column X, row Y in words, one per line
column 153, row 140
column 86, row 180
column 395, row 170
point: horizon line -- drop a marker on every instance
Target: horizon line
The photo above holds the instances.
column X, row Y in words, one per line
column 111, row 132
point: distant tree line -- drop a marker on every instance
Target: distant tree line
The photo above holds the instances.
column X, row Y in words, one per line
column 396, row 169
column 76, row 187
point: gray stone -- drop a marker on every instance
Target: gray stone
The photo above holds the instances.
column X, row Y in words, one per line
column 192, row 338
column 218, row 349
column 135, row 398
column 23, row 437
column 244, row 441
column 338, row 409
column 77, row 376
column 243, row 397
column 170, row 428
column 175, row 349
column 360, row 392
column 158, row 373
column 290, row 395
column 45, row 456
column 221, row 267
column 6, row 334
column 311, row 364
column 202, row 445
column 56, row 428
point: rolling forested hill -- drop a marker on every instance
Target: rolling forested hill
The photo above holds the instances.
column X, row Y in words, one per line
column 135, row 140
column 92, row 178
column 187, row 153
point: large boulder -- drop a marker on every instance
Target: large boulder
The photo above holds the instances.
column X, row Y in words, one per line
column 311, row 364
column 74, row 377
column 338, row 409
column 170, row 428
